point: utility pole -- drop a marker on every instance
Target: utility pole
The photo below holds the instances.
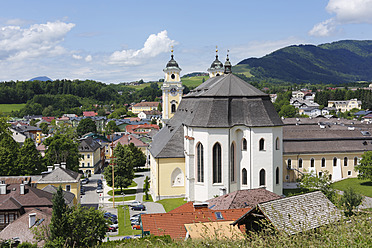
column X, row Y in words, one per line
column 113, row 175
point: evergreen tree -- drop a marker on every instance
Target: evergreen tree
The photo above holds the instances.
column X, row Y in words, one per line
column 8, row 155
column 86, row 125
column 139, row 159
column 29, row 160
column 58, row 224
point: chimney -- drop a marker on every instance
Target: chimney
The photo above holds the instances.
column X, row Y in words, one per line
column 56, row 166
column 63, row 165
column 200, row 205
column 50, row 168
column 222, row 191
column 2, row 188
column 22, row 189
column 31, row 220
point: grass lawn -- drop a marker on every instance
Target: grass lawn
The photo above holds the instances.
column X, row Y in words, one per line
column 149, row 200
column 363, row 187
column 170, row 204
column 298, row 191
column 7, row 108
column 127, row 228
column 126, row 191
column 126, row 198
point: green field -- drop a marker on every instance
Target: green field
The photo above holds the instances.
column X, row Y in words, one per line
column 363, row 187
column 8, row 108
column 170, row 204
column 242, row 69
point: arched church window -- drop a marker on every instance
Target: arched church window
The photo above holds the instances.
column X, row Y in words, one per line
column 300, row 163
column 177, row 178
column 345, row 161
column 277, row 176
column 312, row 162
column 262, row 145
column 277, row 143
column 323, row 162
column 200, row 162
column 173, row 108
column 244, row 144
column 244, row 177
column 262, row 177
column 355, row 161
column 217, row 166
column 289, row 164
column 232, row 163
column 334, row 161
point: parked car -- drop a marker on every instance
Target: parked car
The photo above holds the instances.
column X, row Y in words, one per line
column 99, row 190
column 107, row 215
column 99, row 182
column 139, row 207
column 136, row 216
column 136, row 227
column 113, row 220
column 134, row 222
column 111, row 229
column 135, row 203
column 115, row 225
column 84, row 181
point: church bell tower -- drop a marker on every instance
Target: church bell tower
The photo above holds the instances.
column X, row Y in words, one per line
column 172, row 88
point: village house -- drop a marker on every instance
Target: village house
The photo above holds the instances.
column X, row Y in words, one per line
column 144, row 106
column 91, row 160
column 343, row 106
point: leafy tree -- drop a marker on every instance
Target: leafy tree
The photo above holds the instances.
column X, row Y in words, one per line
column 44, row 127
column 313, row 182
column 123, row 167
column 64, row 129
column 350, row 200
column 112, row 127
column 29, row 159
column 101, row 112
column 58, row 224
column 139, row 159
column 86, row 125
column 33, row 122
column 365, row 166
column 4, row 127
column 146, row 187
column 160, row 107
column 288, row 111
column 62, row 149
column 9, row 150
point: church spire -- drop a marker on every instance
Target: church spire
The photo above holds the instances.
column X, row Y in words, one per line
column 216, row 68
column 227, row 64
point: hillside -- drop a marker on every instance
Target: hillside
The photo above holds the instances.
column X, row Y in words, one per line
column 337, row 62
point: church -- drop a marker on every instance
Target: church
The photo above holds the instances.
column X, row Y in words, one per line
column 223, row 136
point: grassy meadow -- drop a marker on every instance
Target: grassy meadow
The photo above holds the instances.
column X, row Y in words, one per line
column 363, row 187
column 8, row 108
column 188, row 81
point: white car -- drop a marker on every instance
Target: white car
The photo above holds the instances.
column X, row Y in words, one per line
column 115, row 226
column 136, row 216
column 134, row 203
column 99, row 190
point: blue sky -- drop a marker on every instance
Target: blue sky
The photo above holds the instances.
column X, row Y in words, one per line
column 119, row 41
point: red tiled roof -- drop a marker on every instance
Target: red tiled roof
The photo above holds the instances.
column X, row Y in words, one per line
column 127, row 139
column 146, row 104
column 133, row 118
column 133, row 128
column 89, row 113
column 173, row 223
column 48, row 118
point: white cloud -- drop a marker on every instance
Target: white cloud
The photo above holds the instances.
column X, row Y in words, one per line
column 88, row 58
column 75, row 56
column 18, row 43
column 346, row 12
column 154, row 45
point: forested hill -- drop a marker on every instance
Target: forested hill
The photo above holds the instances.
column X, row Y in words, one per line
column 337, row 62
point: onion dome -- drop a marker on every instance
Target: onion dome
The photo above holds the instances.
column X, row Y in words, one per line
column 227, row 65
column 216, row 64
column 172, row 63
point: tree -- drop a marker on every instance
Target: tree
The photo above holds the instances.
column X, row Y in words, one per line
column 112, row 127
column 350, row 200
column 123, row 167
column 62, row 149
column 146, row 187
column 365, row 166
column 313, row 182
column 287, row 111
column 44, row 127
column 4, row 127
column 33, row 122
column 160, row 108
column 58, row 224
column 29, row 159
column 8, row 153
column 139, row 159
column 86, row 125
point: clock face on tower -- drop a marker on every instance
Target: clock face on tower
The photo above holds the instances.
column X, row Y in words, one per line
column 173, row 91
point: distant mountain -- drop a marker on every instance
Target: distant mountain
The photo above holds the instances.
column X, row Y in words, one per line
column 337, row 62
column 44, row 79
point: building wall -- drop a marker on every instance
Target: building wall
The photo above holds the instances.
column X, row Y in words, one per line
column 94, row 158
column 338, row 172
column 137, row 110
column 74, row 188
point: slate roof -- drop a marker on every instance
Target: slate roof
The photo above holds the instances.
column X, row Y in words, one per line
column 242, row 199
column 220, row 102
column 20, row 227
column 297, row 213
column 88, row 145
column 59, row 175
column 69, row 196
column 127, row 139
column 33, row 197
column 173, row 223
column 305, row 139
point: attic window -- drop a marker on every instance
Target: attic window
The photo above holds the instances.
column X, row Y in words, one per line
column 365, row 133
column 218, row 215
